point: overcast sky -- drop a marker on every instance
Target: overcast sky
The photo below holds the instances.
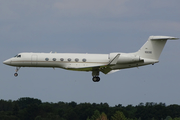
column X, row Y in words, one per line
column 90, row 26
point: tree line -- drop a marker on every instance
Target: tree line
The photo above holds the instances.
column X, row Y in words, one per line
column 34, row 109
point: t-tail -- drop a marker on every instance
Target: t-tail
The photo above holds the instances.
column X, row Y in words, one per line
column 153, row 47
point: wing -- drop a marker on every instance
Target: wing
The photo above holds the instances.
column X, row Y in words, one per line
column 104, row 68
column 107, row 69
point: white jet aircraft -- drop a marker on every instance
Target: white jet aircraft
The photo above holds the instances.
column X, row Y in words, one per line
column 106, row 63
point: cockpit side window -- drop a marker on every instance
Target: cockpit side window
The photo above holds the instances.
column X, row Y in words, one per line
column 18, row 56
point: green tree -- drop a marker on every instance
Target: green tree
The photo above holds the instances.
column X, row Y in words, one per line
column 26, row 102
column 38, row 118
column 118, row 116
column 176, row 119
column 84, row 110
column 168, row 118
column 173, row 110
column 96, row 115
column 71, row 115
column 103, row 116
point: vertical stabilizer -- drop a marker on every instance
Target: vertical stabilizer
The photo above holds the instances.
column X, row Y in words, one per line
column 153, row 47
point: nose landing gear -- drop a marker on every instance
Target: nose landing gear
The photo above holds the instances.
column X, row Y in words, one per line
column 17, row 69
column 15, row 74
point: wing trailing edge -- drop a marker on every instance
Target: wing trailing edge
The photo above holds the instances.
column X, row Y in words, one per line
column 107, row 69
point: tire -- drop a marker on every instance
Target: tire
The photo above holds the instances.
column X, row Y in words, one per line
column 15, row 74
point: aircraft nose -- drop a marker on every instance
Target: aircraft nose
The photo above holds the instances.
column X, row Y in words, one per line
column 7, row 62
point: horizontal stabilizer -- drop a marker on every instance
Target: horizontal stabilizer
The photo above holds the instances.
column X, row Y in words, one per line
column 163, row 38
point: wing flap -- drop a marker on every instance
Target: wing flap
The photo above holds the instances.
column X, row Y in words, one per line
column 104, row 68
column 107, row 69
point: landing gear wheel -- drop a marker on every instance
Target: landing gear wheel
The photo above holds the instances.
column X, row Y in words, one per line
column 96, row 79
column 95, row 74
column 17, row 69
column 15, row 74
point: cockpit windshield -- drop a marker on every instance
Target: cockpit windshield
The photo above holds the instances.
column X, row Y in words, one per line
column 17, row 56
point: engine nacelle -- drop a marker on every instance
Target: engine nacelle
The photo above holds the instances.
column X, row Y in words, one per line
column 125, row 58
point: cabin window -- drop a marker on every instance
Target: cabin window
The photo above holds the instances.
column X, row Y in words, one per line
column 47, row 59
column 69, row 59
column 84, row 60
column 54, row 59
column 76, row 59
column 62, row 59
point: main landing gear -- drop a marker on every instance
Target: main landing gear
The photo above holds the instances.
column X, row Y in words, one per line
column 95, row 75
column 96, row 79
column 17, row 69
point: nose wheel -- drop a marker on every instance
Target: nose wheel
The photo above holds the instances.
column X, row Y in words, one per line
column 15, row 74
column 17, row 69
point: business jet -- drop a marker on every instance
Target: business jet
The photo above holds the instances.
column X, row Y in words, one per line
column 148, row 54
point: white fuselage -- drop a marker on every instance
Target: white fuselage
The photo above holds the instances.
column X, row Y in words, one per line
column 76, row 61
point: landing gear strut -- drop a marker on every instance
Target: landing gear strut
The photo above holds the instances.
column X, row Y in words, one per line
column 95, row 75
column 17, row 69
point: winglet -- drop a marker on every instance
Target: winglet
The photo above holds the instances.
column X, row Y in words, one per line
column 114, row 60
